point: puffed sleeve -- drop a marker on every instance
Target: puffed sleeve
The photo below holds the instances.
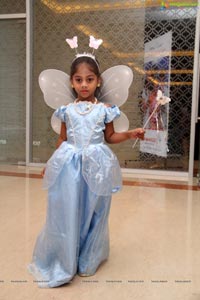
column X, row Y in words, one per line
column 112, row 112
column 60, row 113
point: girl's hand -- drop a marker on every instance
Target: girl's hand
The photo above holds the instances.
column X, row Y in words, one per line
column 137, row 133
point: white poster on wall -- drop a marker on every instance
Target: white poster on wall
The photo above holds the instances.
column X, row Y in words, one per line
column 157, row 67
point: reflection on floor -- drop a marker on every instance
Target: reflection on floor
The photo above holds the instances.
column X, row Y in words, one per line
column 154, row 236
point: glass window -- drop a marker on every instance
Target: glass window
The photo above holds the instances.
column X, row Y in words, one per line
column 12, row 7
column 128, row 28
column 12, row 90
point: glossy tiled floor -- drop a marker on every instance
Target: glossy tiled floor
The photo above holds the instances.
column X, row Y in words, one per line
column 155, row 243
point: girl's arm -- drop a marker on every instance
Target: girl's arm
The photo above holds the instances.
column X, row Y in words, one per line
column 63, row 135
column 113, row 137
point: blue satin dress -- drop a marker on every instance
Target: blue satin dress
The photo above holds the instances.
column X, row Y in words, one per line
column 80, row 177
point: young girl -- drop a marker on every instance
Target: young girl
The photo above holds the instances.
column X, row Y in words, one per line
column 80, row 177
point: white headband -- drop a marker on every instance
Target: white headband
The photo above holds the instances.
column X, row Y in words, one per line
column 94, row 43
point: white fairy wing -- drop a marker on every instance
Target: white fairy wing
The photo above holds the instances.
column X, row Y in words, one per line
column 55, row 123
column 121, row 124
column 56, row 88
column 115, row 85
column 57, row 91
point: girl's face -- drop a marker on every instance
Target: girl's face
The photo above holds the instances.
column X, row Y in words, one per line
column 85, row 82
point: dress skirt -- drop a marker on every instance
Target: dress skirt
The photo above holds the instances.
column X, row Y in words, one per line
column 75, row 236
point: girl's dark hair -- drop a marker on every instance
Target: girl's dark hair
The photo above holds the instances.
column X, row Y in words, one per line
column 94, row 65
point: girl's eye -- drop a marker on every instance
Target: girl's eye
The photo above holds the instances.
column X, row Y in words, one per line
column 90, row 79
column 78, row 80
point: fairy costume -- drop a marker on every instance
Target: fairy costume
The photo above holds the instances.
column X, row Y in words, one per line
column 80, row 177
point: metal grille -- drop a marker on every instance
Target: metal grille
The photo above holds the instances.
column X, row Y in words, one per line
column 181, row 21
column 12, row 6
column 12, row 90
column 125, row 27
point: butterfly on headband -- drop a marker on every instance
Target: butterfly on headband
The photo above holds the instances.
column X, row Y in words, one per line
column 95, row 43
column 57, row 90
column 73, row 42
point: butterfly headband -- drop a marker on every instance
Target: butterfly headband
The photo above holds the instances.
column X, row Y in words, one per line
column 94, row 43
